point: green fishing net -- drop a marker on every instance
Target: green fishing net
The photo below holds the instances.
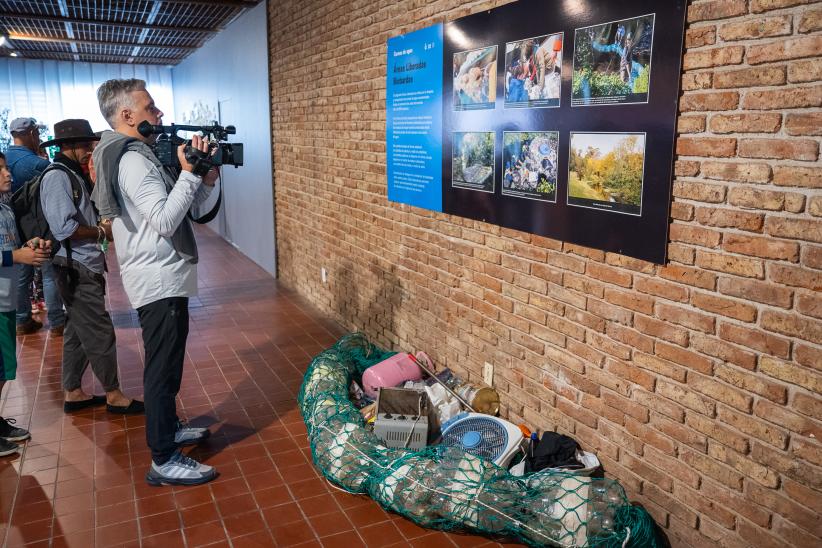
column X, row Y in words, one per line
column 446, row 488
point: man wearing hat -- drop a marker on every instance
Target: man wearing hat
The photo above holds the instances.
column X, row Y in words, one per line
column 25, row 164
column 80, row 266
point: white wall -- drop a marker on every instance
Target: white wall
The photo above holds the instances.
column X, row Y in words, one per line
column 56, row 90
column 229, row 76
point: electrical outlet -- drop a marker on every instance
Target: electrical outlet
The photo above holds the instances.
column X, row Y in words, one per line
column 488, row 374
column 324, row 275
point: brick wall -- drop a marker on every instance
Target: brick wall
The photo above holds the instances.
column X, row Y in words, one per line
column 697, row 383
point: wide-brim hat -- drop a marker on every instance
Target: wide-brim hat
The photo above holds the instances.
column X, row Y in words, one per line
column 71, row 131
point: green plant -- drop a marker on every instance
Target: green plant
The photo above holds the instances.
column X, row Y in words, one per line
column 642, row 81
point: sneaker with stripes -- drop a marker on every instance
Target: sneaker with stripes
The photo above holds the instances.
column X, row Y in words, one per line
column 179, row 470
column 189, row 435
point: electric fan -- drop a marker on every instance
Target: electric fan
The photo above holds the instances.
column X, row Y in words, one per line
column 484, row 436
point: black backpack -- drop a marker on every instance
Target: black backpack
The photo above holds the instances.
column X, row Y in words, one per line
column 28, row 211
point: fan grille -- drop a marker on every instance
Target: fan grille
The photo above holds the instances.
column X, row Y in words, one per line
column 494, row 437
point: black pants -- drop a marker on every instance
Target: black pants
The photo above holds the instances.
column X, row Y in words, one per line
column 89, row 334
column 165, row 329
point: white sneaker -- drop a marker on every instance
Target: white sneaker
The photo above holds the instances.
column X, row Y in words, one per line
column 180, row 470
column 189, row 435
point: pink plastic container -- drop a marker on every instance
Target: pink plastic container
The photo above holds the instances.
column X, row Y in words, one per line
column 390, row 372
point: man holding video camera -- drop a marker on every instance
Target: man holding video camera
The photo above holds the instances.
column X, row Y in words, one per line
column 157, row 254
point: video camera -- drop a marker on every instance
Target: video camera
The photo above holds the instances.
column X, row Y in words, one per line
column 222, row 153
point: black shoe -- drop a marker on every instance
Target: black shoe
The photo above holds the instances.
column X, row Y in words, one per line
column 12, row 433
column 8, row 448
column 28, row 327
column 136, row 407
column 69, row 406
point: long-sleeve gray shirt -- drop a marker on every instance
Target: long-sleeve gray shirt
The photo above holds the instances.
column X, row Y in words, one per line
column 150, row 267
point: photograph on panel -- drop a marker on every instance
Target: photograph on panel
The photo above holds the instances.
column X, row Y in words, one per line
column 472, row 161
column 606, row 171
column 529, row 161
column 475, row 79
column 533, row 72
column 612, row 62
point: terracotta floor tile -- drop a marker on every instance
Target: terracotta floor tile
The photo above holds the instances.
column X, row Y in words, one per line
column 251, row 340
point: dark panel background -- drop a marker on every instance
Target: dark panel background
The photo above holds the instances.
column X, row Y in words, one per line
column 642, row 237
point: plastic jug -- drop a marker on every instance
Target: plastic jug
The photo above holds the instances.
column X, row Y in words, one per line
column 393, row 371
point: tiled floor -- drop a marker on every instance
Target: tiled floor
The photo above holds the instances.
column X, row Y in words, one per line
column 79, row 481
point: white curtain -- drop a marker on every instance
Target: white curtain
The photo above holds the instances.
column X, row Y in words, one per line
column 56, row 90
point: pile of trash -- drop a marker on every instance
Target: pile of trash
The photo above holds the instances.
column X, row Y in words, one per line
column 419, row 455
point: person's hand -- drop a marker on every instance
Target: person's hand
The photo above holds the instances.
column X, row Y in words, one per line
column 105, row 224
column 197, row 142
column 211, row 177
column 31, row 256
column 39, row 243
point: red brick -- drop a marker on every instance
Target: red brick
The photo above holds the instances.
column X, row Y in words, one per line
column 724, row 351
column 749, row 468
column 701, row 192
column 709, row 101
column 815, row 206
column 792, row 325
column 684, row 357
column 696, row 37
column 793, row 422
column 623, row 261
column 686, row 168
column 746, row 123
column 758, row 6
column 608, row 346
column 762, row 27
column 787, row 465
column 686, row 397
column 810, row 305
column 686, row 317
column 766, row 248
column 705, row 505
column 660, row 405
column 584, row 285
column 737, row 503
column 729, row 218
column 576, row 412
column 681, row 211
column 717, row 147
column 730, row 264
column 716, row 9
column 715, row 57
column 757, row 428
column 720, row 392
column 689, row 276
column 625, row 405
column 806, row 123
column 779, row 149
column 744, row 172
column 752, row 383
column 808, row 450
column 566, row 262
column 780, row 50
column 795, row 276
column 695, row 235
column 711, row 428
column 661, row 330
column 808, row 177
column 812, row 257
column 679, row 432
column 756, row 199
column 756, row 339
column 697, row 80
column 724, row 307
column 758, row 76
column 690, row 124
column 660, row 288
column 609, row 275
column 670, row 503
column 682, row 254
column 710, row 467
column 582, row 251
column 780, row 98
column 631, row 301
column 660, row 366
column 808, row 70
column 608, row 312
column 756, row 536
column 647, row 472
column 761, row 292
column 808, row 405
column 653, row 438
column 811, row 21
column 630, row 337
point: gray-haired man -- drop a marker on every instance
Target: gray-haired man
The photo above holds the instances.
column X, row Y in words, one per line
column 158, row 262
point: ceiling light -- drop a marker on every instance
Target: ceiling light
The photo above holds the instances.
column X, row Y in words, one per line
column 13, row 54
column 3, row 40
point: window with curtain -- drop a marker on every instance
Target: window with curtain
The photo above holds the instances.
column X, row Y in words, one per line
column 51, row 91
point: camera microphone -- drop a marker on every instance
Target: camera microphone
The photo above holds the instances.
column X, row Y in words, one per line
column 146, row 129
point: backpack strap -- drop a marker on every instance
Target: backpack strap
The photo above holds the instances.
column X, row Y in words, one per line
column 77, row 185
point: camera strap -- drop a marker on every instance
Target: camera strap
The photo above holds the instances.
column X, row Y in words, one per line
column 208, row 217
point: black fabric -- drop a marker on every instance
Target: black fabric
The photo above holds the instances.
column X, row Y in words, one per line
column 89, row 333
column 552, row 451
column 165, row 330
column 28, row 210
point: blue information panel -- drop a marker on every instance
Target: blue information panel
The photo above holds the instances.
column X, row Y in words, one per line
column 413, row 103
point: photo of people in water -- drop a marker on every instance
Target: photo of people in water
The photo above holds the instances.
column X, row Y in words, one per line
column 529, row 161
column 533, row 72
column 475, row 79
column 472, row 161
column 612, row 62
column 606, row 171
